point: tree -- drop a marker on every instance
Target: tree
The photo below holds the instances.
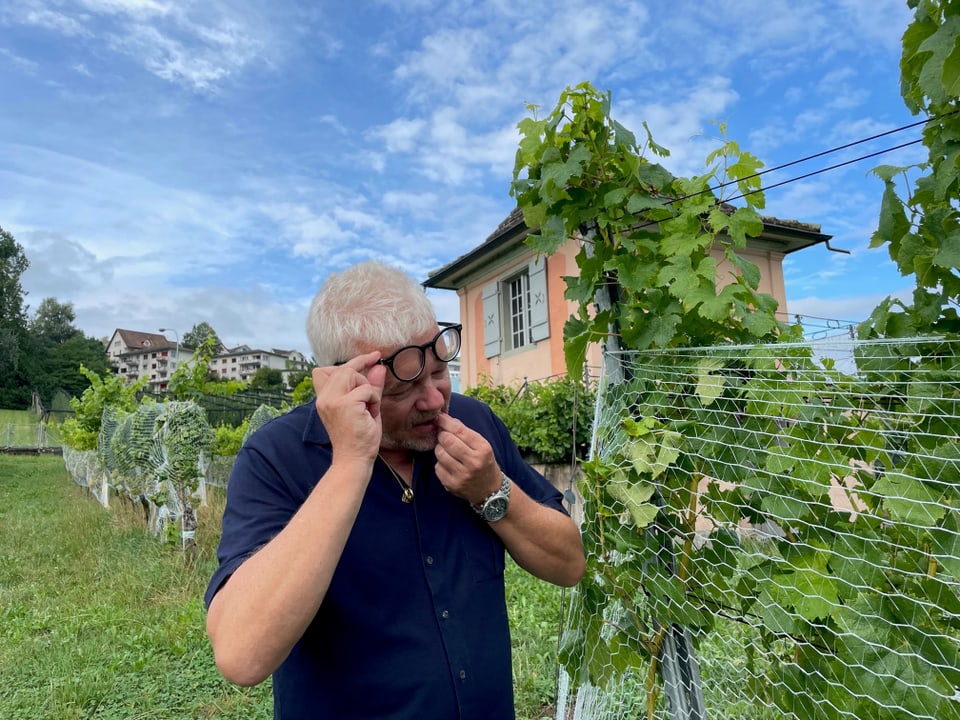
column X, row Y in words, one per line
column 54, row 351
column 198, row 334
column 267, row 378
column 13, row 322
column 192, row 380
column 13, row 263
column 295, row 377
column 109, row 391
column 49, row 367
column 53, row 321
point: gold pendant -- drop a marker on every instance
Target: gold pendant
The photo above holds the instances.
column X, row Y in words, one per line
column 407, row 496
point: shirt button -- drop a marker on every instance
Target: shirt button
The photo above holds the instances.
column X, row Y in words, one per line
column 445, row 614
column 429, row 560
column 463, row 674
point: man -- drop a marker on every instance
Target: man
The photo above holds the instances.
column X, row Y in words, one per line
column 362, row 555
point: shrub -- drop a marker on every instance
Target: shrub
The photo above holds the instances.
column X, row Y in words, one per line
column 550, row 420
column 227, row 440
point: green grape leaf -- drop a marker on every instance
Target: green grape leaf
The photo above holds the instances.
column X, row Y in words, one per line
column 709, row 384
column 635, row 497
column 909, row 500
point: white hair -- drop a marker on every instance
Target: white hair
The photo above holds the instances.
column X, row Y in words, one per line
column 367, row 306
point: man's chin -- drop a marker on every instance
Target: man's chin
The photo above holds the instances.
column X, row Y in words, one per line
column 415, row 443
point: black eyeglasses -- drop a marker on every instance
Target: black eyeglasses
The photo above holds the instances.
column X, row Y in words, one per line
column 408, row 362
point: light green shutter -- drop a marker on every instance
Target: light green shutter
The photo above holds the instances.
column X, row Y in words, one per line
column 539, row 318
column 491, row 320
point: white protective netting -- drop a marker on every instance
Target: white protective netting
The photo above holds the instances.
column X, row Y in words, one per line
column 260, row 417
column 220, row 466
column 156, row 457
column 772, row 532
column 83, row 467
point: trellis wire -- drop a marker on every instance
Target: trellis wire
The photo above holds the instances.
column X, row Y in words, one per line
column 846, row 456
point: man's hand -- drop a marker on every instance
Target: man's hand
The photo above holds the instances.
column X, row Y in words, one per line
column 466, row 465
column 348, row 402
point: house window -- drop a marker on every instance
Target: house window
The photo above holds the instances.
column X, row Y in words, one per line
column 515, row 310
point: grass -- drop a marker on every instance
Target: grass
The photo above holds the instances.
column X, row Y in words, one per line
column 100, row 621
column 20, row 428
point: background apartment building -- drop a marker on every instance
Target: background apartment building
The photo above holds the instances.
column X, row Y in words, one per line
column 136, row 355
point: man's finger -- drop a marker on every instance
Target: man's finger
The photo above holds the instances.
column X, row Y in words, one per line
column 364, row 362
column 361, row 363
column 445, row 422
column 376, row 377
column 459, row 434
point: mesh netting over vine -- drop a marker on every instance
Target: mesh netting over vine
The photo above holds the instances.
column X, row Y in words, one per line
column 156, row 456
column 772, row 532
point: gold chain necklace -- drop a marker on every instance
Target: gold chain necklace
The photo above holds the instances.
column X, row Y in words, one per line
column 407, row 496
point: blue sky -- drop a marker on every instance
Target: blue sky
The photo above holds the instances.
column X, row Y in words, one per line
column 167, row 162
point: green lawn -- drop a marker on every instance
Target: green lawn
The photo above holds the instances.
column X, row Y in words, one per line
column 98, row 620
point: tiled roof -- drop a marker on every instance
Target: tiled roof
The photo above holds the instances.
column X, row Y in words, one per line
column 136, row 340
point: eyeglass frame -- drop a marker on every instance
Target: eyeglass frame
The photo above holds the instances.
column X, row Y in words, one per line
column 432, row 345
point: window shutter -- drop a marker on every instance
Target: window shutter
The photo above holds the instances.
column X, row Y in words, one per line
column 491, row 320
column 539, row 320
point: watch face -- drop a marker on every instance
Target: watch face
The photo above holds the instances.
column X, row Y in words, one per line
column 495, row 508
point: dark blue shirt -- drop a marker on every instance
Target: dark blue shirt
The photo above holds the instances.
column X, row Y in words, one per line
column 414, row 624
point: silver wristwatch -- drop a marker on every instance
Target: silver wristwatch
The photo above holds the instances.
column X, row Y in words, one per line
column 494, row 506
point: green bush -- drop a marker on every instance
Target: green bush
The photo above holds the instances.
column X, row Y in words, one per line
column 227, row 439
column 550, row 420
column 82, row 430
column 303, row 390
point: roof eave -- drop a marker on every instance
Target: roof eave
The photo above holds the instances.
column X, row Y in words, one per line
column 778, row 236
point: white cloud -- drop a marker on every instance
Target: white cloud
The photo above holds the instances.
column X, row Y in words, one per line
column 449, row 57
column 196, row 44
column 332, row 121
column 135, row 8
column 401, row 135
column 683, row 126
column 848, row 309
column 221, row 52
column 235, row 198
column 876, row 22
column 57, row 21
column 312, row 233
column 418, row 204
column 25, row 64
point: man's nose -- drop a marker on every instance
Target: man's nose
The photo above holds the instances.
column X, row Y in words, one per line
column 431, row 398
column 430, row 393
